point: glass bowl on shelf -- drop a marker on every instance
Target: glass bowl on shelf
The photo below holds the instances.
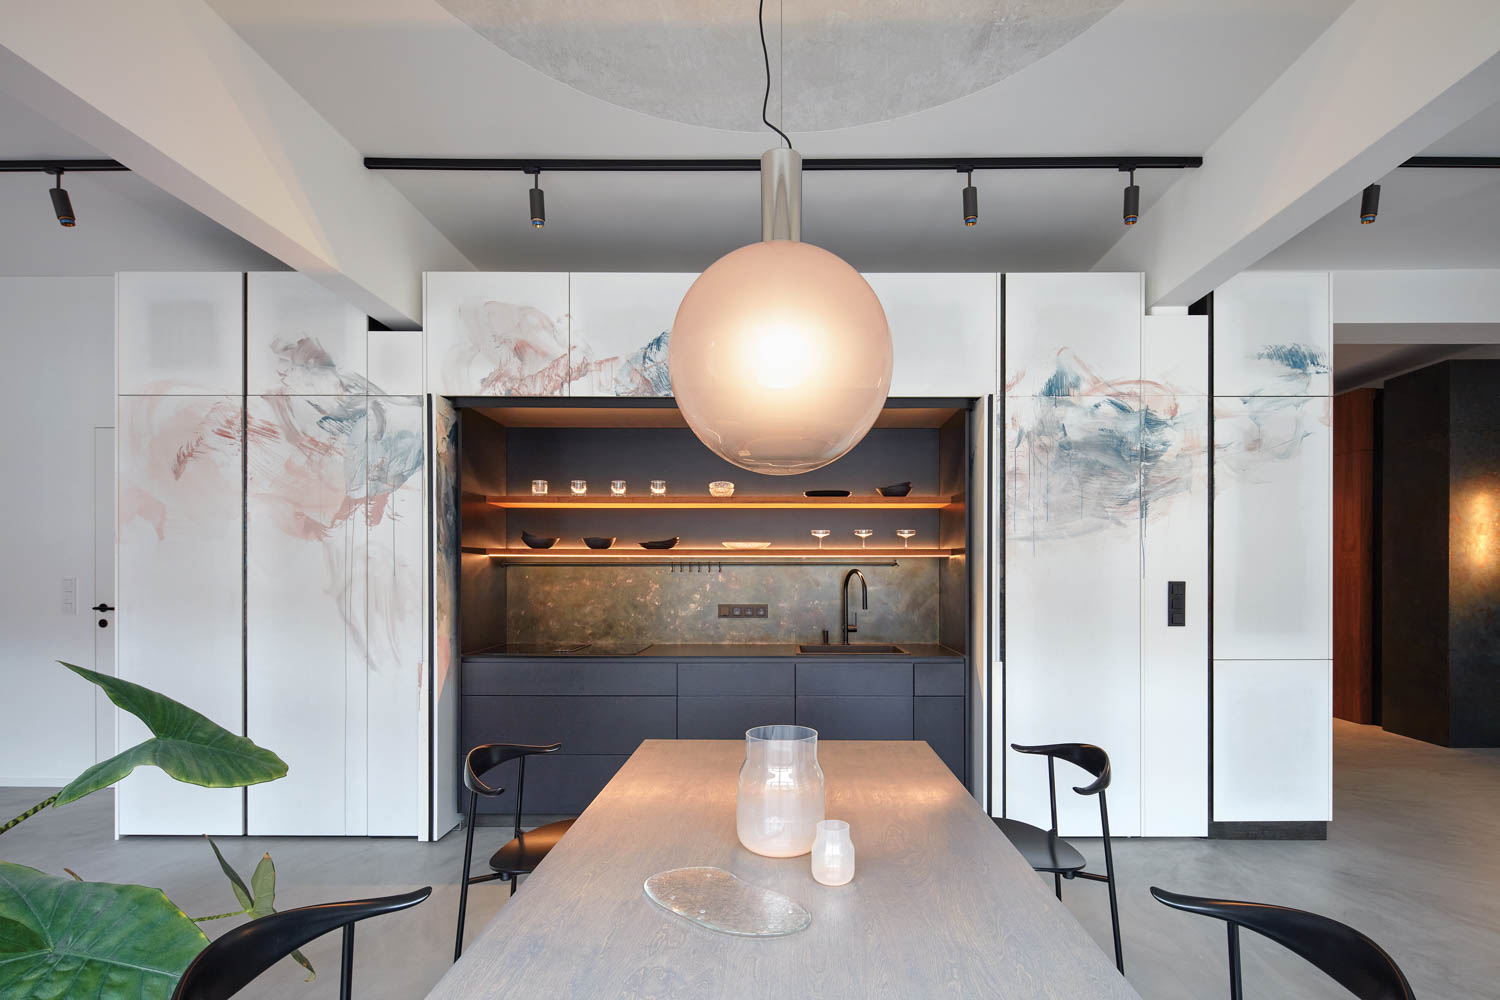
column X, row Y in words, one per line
column 721, row 488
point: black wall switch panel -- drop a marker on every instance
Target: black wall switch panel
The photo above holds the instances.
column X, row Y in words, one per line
column 743, row 610
column 1176, row 603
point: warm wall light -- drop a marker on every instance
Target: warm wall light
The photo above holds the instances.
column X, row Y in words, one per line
column 1480, row 536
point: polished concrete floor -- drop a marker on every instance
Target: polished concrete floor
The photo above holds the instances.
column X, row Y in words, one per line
column 1412, row 859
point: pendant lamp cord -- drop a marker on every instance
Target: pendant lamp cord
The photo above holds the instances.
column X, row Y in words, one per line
column 765, row 54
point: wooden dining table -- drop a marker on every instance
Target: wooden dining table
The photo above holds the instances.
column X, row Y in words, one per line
column 941, row 905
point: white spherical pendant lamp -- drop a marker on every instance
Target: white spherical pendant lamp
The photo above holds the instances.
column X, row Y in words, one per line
column 780, row 355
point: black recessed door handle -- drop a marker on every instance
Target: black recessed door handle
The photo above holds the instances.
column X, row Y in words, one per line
column 102, row 607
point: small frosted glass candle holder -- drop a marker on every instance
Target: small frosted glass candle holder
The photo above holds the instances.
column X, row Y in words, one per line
column 658, row 487
column 721, row 488
column 832, row 853
column 617, row 487
column 539, row 486
column 579, row 487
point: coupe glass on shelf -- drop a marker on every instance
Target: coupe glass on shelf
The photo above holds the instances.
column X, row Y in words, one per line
column 862, row 534
column 906, row 535
column 820, row 534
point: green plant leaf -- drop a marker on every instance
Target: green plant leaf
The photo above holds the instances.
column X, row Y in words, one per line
column 186, row 745
column 61, row 938
column 263, row 901
column 263, row 885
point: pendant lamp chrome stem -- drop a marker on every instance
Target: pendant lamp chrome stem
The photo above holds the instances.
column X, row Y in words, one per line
column 781, row 194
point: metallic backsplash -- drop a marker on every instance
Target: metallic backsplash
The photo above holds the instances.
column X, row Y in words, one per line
column 652, row 603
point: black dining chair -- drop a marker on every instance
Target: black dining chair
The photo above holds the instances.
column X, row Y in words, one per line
column 232, row 960
column 1045, row 851
column 524, row 851
column 1345, row 955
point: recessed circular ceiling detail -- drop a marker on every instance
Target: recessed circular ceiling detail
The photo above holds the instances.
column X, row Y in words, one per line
column 845, row 63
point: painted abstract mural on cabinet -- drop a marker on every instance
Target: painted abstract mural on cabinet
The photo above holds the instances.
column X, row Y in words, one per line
column 444, row 699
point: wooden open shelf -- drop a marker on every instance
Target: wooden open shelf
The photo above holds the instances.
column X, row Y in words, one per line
column 555, row 501
column 634, row 552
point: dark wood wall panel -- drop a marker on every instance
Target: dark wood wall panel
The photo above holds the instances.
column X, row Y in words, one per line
column 1355, row 534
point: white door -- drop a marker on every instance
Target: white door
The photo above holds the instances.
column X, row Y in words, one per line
column 104, row 586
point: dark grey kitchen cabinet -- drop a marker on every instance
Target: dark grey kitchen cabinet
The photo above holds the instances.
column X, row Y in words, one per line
column 559, row 676
column 859, row 678
column 583, row 725
column 856, row 718
column 940, row 722
column 939, row 678
column 736, row 677
column 726, row 717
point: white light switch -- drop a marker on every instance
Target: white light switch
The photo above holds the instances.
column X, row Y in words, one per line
column 70, row 595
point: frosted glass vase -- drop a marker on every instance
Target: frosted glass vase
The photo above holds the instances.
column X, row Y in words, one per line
column 833, row 853
column 781, row 791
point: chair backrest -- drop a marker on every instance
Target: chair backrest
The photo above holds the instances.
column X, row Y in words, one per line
column 1344, row 954
column 488, row 756
column 232, row 960
column 1085, row 755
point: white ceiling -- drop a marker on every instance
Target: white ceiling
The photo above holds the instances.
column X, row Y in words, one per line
column 124, row 222
column 406, row 77
column 1429, row 218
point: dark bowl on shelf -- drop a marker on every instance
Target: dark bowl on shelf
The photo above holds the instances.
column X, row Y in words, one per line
column 537, row 541
column 895, row 490
column 825, row 493
column 661, row 543
column 598, row 543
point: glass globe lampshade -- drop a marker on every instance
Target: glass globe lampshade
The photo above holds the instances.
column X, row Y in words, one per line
column 780, row 357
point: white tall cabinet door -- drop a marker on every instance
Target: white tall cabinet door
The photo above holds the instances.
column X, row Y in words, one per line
column 301, row 339
column 1273, row 445
column 1273, row 744
column 619, row 328
column 496, row 333
column 396, row 612
column 1072, row 433
column 943, row 332
column 180, row 596
column 305, row 608
column 441, row 700
column 179, row 334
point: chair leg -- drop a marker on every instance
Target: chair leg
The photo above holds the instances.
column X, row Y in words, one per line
column 463, row 881
column 1057, row 884
column 346, row 973
column 1109, row 874
column 512, row 885
column 1236, row 989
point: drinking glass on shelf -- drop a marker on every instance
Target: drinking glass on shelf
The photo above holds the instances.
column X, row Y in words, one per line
column 579, row 487
column 658, row 487
column 862, row 534
column 617, row 487
column 906, row 535
column 539, row 486
column 820, row 534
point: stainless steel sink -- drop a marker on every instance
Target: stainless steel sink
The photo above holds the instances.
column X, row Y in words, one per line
column 853, row 647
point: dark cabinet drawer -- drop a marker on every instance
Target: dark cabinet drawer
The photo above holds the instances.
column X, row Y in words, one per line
column 726, row 677
column 556, row 785
column 581, row 725
column 720, row 717
column 866, row 678
column 939, row 678
column 569, row 677
column 845, row 718
column 940, row 722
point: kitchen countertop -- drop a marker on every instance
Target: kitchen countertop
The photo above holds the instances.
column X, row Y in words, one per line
column 735, row 651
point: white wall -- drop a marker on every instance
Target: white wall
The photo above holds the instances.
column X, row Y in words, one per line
column 56, row 386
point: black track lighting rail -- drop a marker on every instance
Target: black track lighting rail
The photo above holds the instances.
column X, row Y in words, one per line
column 959, row 163
column 53, row 166
column 1455, row 162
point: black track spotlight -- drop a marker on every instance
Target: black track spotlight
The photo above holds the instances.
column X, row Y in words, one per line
column 538, row 201
column 971, row 202
column 61, row 203
column 1132, row 213
column 1369, row 205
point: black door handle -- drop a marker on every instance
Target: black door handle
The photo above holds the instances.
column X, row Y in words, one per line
column 102, row 607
